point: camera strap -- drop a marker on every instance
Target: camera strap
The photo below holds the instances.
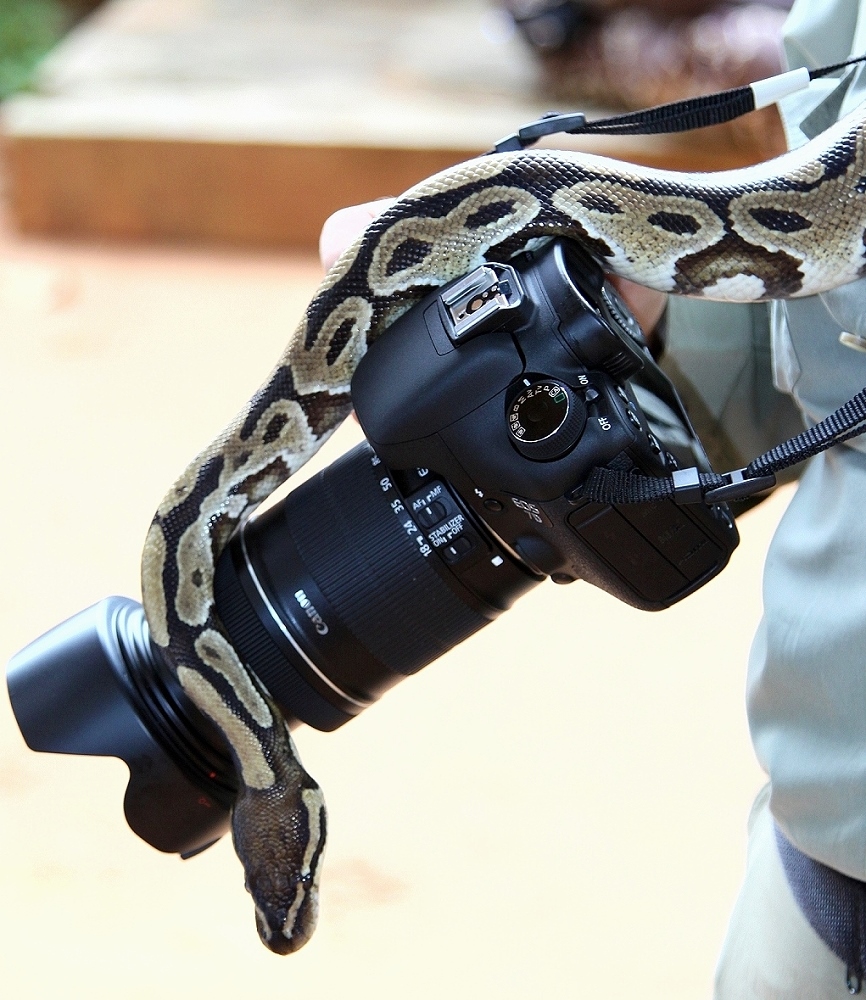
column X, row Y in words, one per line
column 677, row 116
column 687, row 486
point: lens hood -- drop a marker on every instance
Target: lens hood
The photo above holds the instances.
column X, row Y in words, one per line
column 96, row 685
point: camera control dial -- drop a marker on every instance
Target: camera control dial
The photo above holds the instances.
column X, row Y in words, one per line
column 546, row 418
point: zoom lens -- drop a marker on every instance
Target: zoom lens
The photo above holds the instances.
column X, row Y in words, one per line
column 332, row 596
column 335, row 595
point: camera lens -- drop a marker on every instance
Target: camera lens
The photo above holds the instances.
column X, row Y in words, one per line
column 333, row 596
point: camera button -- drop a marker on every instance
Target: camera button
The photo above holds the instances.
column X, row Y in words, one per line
column 430, row 514
column 545, row 418
column 457, row 549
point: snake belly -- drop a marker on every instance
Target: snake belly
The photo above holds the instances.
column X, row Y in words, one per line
column 790, row 227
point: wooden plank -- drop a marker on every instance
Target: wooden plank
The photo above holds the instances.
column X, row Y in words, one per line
column 250, row 194
column 248, row 124
column 246, row 194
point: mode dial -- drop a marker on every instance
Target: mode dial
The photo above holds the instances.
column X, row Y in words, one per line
column 545, row 418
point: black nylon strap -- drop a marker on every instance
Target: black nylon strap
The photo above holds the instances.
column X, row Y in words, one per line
column 611, row 486
column 815, row 74
column 692, row 486
column 676, row 116
column 839, row 426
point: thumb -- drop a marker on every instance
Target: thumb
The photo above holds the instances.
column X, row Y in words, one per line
column 343, row 227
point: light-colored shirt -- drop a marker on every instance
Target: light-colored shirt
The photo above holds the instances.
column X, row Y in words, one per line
column 807, row 670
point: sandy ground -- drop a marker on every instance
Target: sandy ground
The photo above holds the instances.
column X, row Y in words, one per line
column 556, row 808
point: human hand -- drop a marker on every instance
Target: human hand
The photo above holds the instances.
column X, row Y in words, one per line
column 647, row 306
column 345, row 226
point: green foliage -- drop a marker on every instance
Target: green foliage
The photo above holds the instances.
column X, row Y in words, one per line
column 28, row 29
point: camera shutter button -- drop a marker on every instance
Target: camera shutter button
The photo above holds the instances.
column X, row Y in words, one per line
column 545, row 419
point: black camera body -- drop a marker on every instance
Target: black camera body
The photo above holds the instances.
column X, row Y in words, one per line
column 507, row 388
column 485, row 406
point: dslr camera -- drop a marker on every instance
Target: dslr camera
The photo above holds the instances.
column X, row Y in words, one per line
column 485, row 408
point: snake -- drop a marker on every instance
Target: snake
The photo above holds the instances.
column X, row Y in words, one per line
column 788, row 227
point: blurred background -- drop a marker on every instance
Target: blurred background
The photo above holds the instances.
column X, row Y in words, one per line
column 557, row 807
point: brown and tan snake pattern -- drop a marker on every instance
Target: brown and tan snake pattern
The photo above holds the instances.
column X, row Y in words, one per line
column 790, row 227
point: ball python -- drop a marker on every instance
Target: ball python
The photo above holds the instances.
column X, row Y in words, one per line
column 789, row 227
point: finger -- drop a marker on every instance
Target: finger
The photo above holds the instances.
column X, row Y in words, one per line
column 344, row 226
column 646, row 304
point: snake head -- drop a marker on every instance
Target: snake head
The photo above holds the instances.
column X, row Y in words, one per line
column 280, row 840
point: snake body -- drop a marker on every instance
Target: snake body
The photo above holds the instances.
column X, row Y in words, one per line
column 793, row 226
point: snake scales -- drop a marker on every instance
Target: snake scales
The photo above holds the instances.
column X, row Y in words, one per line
column 790, row 227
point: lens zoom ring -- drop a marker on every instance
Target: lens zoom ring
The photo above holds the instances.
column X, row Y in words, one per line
column 371, row 571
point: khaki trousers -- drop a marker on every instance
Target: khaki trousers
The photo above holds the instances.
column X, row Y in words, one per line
column 771, row 952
